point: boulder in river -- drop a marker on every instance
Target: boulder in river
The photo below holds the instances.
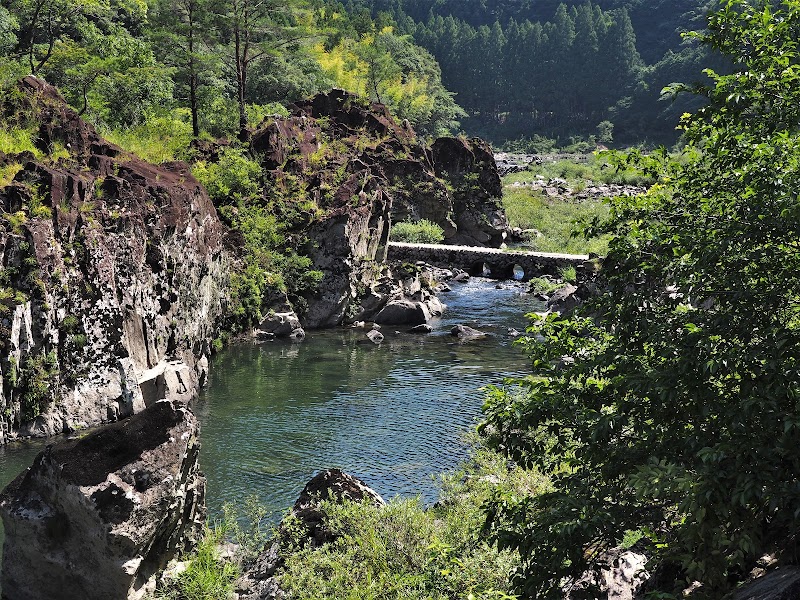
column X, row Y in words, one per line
column 375, row 336
column 258, row 581
column 403, row 311
column 281, row 324
column 100, row 516
column 466, row 333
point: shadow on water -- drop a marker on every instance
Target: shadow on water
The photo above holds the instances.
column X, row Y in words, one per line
column 276, row 413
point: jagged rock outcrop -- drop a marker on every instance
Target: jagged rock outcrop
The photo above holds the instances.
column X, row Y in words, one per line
column 114, row 273
column 469, row 168
column 361, row 170
column 98, row 517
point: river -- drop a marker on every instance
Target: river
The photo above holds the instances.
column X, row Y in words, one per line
column 393, row 414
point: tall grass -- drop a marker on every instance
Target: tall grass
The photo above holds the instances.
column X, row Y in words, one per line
column 420, row 232
column 160, row 139
column 15, row 140
column 555, row 219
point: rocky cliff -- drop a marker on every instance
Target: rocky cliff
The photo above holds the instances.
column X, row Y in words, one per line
column 113, row 275
column 98, row 517
column 362, row 170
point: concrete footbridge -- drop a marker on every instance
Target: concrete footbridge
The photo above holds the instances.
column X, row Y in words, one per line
column 489, row 262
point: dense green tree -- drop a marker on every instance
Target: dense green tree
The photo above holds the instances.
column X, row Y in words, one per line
column 180, row 30
column 671, row 408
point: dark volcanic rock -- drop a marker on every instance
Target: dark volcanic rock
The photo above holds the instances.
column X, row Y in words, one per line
column 364, row 170
column 97, row 517
column 470, row 168
column 122, row 271
column 781, row 584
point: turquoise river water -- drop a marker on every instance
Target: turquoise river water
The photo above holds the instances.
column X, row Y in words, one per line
column 395, row 415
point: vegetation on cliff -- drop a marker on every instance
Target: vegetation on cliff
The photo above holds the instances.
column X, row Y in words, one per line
column 677, row 417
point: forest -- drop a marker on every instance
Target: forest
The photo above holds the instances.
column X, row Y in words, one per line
column 527, row 75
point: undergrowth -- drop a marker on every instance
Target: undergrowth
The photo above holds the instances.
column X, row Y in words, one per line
column 403, row 550
column 420, row 232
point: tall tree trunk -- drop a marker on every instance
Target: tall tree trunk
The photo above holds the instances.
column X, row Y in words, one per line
column 193, row 80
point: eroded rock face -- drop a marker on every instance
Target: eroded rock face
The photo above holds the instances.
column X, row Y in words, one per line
column 365, row 170
column 96, row 518
column 119, row 272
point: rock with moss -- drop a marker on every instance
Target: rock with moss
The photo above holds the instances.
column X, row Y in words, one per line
column 342, row 170
column 100, row 516
column 115, row 268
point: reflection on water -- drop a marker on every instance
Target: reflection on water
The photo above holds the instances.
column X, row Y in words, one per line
column 274, row 414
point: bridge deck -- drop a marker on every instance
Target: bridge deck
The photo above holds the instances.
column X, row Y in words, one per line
column 489, row 251
column 498, row 264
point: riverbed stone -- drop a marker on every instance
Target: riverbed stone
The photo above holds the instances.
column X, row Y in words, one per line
column 403, row 311
column 100, row 516
column 465, row 332
column 375, row 336
column 281, row 324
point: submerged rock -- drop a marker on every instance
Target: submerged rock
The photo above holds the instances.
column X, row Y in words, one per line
column 375, row 336
column 98, row 517
column 466, row 333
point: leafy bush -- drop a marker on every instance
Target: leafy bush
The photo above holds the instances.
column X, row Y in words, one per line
column 420, row 232
column 36, row 383
column 404, row 551
column 235, row 177
column 678, row 417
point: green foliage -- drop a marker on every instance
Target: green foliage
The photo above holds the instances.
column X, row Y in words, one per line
column 420, row 232
column 207, row 577
column 8, row 172
column 235, row 177
column 162, row 137
column 36, row 381
column 556, row 220
column 404, row 551
column 16, row 140
column 568, row 274
column 678, row 417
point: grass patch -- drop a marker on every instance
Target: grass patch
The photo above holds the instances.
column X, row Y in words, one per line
column 16, row 140
column 420, row 232
column 207, row 576
column 404, row 551
column 577, row 172
column 555, row 219
column 159, row 139
column 8, row 172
